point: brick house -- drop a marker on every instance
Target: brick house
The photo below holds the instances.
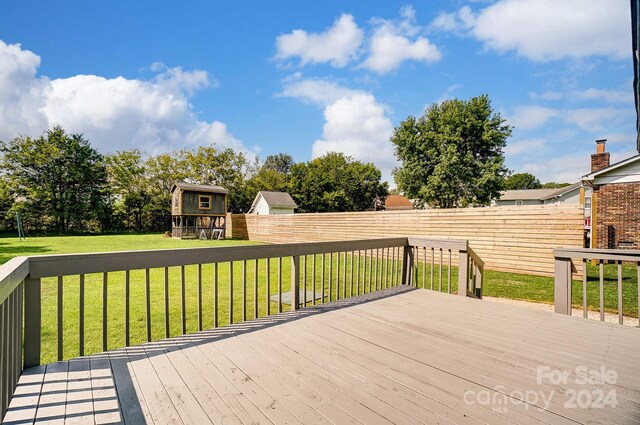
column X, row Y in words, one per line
column 612, row 201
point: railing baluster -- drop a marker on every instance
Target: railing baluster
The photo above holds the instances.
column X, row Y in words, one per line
column 4, row 360
column 385, row 266
column 268, row 287
column 424, row 267
column 183, row 302
column 358, row 273
column 620, row 312
column 375, row 274
column 147, row 290
column 81, row 317
column 584, row 288
column 313, row 279
column 449, row 274
column 337, row 276
column 432, row 265
column 230, row 292
column 344, row 276
column 279, row 284
column 370, row 267
column 105, row 311
column 304, row 281
column 322, row 278
column 199, row 297
column 638, row 282
column 215, row 295
column 127, row 333
column 61, row 320
column 244, row 290
column 601, row 291
column 10, row 371
column 255, row 288
column 330, row 276
column 167, row 330
column 351, row 260
column 440, row 273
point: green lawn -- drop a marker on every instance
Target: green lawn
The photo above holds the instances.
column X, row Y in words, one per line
column 496, row 284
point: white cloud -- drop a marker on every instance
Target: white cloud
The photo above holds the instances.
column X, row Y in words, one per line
column 394, row 41
column 567, row 168
column 317, row 91
column 544, row 30
column 609, row 96
column 337, row 45
column 524, row 147
column 531, row 116
column 547, row 95
column 357, row 125
column 593, row 119
column 113, row 113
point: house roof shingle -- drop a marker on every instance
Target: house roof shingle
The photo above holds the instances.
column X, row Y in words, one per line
column 200, row 188
column 536, row 194
column 278, row 199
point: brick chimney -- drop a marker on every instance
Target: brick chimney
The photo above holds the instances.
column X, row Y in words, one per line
column 600, row 159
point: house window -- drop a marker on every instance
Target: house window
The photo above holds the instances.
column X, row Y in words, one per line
column 587, row 207
column 204, row 202
column 176, row 201
column 519, row 203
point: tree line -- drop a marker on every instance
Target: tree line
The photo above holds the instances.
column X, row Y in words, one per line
column 59, row 183
column 450, row 157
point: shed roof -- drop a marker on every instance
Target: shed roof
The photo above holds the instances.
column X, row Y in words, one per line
column 199, row 188
column 275, row 199
column 536, row 194
column 397, row 202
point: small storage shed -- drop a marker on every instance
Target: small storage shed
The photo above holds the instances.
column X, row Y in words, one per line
column 267, row 203
column 198, row 211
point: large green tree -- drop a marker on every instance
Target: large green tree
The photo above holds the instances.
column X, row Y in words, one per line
column 60, row 177
column 127, row 179
column 452, row 156
column 335, row 182
column 521, row 181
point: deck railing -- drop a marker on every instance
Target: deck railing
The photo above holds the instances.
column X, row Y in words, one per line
column 242, row 283
column 564, row 287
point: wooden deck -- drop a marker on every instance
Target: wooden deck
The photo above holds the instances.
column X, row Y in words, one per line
column 401, row 356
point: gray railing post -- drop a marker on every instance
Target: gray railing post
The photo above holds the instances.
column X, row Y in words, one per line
column 463, row 272
column 562, row 286
column 295, row 282
column 407, row 265
column 32, row 322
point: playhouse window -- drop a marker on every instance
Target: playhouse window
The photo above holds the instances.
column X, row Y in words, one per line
column 204, row 202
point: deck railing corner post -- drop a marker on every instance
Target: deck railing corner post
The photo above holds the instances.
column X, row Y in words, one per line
column 32, row 321
column 562, row 285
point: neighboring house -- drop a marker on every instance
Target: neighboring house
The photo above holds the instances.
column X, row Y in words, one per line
column 397, row 202
column 612, row 201
column 269, row 203
column 564, row 195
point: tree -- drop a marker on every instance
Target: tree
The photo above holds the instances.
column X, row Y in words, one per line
column 554, row 185
column 521, row 181
column 126, row 173
column 60, row 176
column 280, row 163
column 335, row 182
column 452, row 155
column 162, row 171
column 224, row 167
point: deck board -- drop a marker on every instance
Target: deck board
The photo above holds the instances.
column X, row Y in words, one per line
column 401, row 356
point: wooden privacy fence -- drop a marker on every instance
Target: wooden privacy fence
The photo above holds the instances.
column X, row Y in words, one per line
column 47, row 296
column 512, row 239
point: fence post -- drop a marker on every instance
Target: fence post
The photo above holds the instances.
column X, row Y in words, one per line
column 295, row 282
column 32, row 322
column 562, row 286
column 407, row 265
column 463, row 272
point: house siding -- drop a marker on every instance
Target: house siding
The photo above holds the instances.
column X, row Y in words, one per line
column 618, row 216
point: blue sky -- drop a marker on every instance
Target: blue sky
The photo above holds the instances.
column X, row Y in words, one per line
column 310, row 77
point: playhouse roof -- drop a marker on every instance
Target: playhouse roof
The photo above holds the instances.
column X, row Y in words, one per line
column 199, row 188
